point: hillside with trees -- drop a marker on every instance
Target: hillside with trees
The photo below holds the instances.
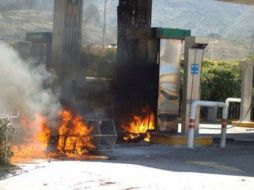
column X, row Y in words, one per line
column 228, row 23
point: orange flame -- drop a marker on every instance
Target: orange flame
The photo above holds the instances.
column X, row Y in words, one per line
column 140, row 126
column 74, row 135
column 74, row 138
column 37, row 145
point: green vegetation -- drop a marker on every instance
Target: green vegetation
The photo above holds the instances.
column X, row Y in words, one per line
column 98, row 62
column 5, row 147
column 251, row 57
column 220, row 80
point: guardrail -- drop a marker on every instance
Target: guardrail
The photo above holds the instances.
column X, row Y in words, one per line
column 194, row 107
column 231, row 100
column 233, row 112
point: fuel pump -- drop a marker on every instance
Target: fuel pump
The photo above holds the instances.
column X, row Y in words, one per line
column 193, row 57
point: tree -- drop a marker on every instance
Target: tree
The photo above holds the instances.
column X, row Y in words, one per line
column 5, row 145
column 220, row 80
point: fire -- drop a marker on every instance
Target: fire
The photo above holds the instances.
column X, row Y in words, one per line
column 140, row 126
column 37, row 145
column 73, row 140
column 74, row 135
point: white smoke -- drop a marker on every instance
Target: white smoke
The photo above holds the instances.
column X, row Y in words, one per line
column 22, row 86
column 26, row 4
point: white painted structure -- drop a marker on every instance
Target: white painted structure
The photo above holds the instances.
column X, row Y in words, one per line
column 247, row 83
column 231, row 100
column 193, row 57
column 194, row 107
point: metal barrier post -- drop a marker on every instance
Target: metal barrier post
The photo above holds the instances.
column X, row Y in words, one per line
column 194, row 106
column 223, row 133
column 191, row 133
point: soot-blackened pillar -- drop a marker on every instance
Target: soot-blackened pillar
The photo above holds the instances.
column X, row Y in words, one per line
column 136, row 76
column 132, row 14
column 66, row 46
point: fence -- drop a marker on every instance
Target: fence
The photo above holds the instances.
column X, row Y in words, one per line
column 233, row 112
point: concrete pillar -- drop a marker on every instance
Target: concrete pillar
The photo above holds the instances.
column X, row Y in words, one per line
column 247, row 84
column 66, row 45
column 194, row 51
column 136, row 80
column 132, row 14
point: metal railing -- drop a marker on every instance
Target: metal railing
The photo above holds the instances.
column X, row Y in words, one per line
column 233, row 112
column 194, row 107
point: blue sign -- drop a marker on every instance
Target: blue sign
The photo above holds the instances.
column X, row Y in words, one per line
column 195, row 69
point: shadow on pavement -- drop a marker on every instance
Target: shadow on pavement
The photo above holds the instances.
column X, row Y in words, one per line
column 237, row 159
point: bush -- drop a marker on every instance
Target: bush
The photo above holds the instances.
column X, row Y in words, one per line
column 220, row 80
column 251, row 58
column 5, row 147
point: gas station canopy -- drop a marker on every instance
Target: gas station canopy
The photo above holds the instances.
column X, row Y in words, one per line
column 247, row 2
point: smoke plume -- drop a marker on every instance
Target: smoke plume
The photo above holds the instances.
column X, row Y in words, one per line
column 22, row 87
column 26, row 4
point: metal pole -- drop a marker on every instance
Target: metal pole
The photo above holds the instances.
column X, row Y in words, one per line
column 229, row 100
column 191, row 133
column 223, row 133
column 194, row 107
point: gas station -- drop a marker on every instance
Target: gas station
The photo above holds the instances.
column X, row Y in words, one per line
column 247, row 82
column 147, row 72
column 157, row 53
column 193, row 57
column 154, row 52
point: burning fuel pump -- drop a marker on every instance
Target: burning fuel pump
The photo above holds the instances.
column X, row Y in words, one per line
column 150, row 77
